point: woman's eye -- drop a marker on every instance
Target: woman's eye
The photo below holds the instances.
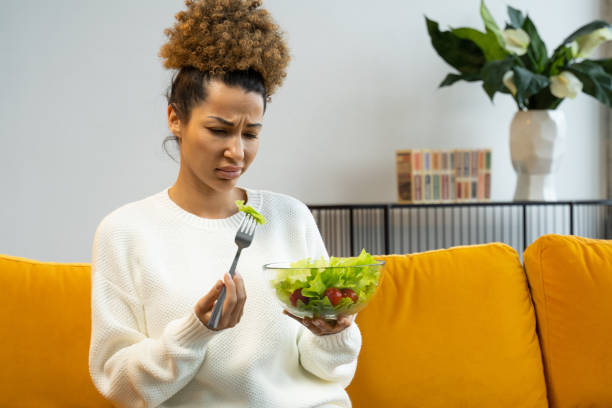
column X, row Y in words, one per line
column 218, row 131
column 251, row 135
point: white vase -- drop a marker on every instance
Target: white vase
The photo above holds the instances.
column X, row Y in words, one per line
column 537, row 144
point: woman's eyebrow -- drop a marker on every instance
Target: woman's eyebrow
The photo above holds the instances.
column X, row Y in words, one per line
column 228, row 123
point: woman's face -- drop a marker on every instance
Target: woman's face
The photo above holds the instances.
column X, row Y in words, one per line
column 221, row 138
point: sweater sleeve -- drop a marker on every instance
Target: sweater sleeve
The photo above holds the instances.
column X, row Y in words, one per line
column 129, row 368
column 332, row 357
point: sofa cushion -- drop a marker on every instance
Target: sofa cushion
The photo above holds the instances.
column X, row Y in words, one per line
column 571, row 281
column 450, row 328
column 45, row 318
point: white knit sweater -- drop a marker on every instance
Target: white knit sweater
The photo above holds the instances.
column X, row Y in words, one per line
column 152, row 262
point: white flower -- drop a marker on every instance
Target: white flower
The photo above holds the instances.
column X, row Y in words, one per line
column 508, row 81
column 588, row 42
column 516, row 41
column 565, row 85
column 574, row 48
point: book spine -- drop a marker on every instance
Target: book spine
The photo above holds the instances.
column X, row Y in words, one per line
column 444, row 177
column 417, row 176
column 474, row 175
column 458, row 176
column 465, row 189
column 403, row 160
column 481, row 170
column 436, row 173
column 427, row 176
column 452, row 174
column 487, row 178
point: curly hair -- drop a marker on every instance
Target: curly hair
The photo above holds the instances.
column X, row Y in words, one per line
column 221, row 36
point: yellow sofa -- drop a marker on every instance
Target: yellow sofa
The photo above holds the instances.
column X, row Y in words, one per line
column 460, row 327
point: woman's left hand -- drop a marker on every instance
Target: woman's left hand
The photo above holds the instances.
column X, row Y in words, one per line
column 321, row 327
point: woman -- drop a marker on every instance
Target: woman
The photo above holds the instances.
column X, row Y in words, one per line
column 157, row 262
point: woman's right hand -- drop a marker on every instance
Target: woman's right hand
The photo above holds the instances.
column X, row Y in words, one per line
column 235, row 297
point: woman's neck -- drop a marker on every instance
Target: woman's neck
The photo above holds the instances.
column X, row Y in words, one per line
column 204, row 201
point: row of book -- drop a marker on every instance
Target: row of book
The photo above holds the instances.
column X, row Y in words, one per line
column 439, row 176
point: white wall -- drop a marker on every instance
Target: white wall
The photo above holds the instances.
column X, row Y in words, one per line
column 82, row 112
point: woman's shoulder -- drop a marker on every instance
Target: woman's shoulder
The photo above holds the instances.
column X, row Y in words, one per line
column 280, row 202
column 129, row 216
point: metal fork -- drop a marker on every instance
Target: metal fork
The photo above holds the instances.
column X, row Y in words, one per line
column 244, row 237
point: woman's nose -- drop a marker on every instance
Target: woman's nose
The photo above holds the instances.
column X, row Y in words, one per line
column 235, row 148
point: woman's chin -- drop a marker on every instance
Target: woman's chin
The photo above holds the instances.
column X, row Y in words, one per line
column 225, row 185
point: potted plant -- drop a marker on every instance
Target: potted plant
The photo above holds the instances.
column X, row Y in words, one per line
column 515, row 61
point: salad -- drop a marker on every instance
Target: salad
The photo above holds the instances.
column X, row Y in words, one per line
column 326, row 288
column 250, row 210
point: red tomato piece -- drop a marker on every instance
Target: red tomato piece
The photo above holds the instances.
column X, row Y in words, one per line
column 334, row 295
column 350, row 293
column 297, row 295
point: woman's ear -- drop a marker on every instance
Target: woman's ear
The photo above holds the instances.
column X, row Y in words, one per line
column 174, row 123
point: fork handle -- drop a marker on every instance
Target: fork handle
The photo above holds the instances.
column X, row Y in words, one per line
column 215, row 316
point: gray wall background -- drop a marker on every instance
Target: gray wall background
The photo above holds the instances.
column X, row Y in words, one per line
column 82, row 112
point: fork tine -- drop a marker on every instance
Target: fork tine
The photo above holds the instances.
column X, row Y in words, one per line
column 248, row 225
column 252, row 230
column 245, row 221
column 251, row 225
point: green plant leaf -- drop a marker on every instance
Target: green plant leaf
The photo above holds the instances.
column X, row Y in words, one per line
column 490, row 24
column 586, row 29
column 537, row 55
column 595, row 80
column 493, row 74
column 527, row 84
column 606, row 64
column 516, row 18
column 561, row 55
column 463, row 55
column 452, row 78
column 487, row 42
column 560, row 59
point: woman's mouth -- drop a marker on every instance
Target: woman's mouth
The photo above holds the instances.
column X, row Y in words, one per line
column 229, row 173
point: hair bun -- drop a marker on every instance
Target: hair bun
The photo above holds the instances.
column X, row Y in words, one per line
column 219, row 36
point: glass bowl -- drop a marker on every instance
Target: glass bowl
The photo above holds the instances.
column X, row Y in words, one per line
column 326, row 292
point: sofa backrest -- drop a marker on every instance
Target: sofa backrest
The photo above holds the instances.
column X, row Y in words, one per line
column 571, row 281
column 45, row 315
column 450, row 328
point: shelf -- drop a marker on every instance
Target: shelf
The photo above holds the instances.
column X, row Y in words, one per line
column 404, row 228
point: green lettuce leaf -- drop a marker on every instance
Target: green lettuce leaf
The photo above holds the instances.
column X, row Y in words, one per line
column 250, row 210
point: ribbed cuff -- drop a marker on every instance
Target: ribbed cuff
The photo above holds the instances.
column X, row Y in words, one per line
column 347, row 338
column 190, row 332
